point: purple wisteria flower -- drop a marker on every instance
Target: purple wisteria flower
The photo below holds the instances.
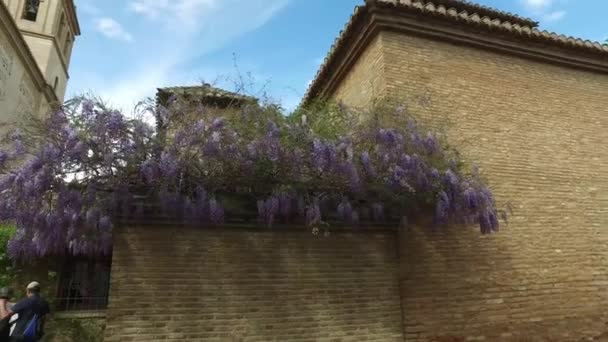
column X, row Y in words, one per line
column 149, row 170
column 115, row 123
column 216, row 212
column 87, row 164
column 169, row 167
column 286, row 204
column 367, row 164
column 431, row 144
column 313, row 214
column 345, row 210
column 217, row 124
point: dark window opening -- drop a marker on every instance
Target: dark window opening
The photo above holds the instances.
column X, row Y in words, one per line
column 84, row 284
column 55, row 84
column 30, row 11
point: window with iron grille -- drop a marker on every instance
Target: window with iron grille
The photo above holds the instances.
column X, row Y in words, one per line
column 84, row 284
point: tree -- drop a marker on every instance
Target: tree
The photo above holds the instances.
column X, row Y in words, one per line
column 66, row 178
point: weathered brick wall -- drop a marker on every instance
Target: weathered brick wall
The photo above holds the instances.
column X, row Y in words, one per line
column 539, row 134
column 365, row 81
column 220, row 285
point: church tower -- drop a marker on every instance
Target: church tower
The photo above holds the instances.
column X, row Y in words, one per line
column 49, row 28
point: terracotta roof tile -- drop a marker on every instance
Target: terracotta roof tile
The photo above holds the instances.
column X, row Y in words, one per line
column 464, row 11
column 204, row 91
column 482, row 11
column 207, row 94
column 491, row 17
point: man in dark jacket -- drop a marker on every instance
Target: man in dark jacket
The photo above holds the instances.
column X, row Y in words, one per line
column 29, row 308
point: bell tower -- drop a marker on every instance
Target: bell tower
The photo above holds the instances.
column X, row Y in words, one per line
column 50, row 28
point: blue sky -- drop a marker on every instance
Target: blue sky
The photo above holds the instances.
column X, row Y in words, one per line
column 128, row 48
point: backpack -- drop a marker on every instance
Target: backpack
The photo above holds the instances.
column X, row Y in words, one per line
column 33, row 329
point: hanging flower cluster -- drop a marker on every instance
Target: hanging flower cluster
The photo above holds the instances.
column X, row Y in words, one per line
column 64, row 180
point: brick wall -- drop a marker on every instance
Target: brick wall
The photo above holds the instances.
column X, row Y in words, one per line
column 539, row 133
column 365, row 81
column 220, row 285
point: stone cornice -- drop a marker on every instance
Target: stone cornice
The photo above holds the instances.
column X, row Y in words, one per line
column 7, row 23
column 469, row 30
column 72, row 16
column 437, row 30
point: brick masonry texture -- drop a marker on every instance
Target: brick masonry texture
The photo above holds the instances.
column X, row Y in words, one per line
column 235, row 285
column 539, row 134
column 365, row 81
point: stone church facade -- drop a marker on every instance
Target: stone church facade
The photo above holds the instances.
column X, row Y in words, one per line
column 36, row 40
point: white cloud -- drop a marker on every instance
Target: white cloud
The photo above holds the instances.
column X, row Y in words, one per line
column 554, row 16
column 537, row 5
column 180, row 13
column 202, row 25
column 545, row 9
column 112, row 29
column 88, row 8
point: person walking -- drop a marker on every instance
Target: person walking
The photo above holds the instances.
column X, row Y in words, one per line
column 32, row 312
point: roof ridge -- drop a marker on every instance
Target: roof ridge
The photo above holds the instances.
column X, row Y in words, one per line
column 489, row 10
column 422, row 6
column 205, row 89
column 457, row 10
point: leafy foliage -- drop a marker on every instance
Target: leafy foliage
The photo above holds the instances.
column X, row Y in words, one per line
column 66, row 178
column 74, row 329
column 7, row 270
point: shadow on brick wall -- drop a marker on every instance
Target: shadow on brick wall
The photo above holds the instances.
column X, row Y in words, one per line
column 230, row 284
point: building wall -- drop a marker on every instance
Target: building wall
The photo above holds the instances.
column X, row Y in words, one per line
column 18, row 93
column 50, row 61
column 45, row 22
column 365, row 81
column 46, row 38
column 224, row 285
column 539, row 134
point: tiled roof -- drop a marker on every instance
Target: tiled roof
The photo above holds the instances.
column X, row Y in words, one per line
column 205, row 91
column 462, row 12
column 482, row 11
column 473, row 18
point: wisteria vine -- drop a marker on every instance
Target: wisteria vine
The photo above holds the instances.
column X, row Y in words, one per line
column 64, row 180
